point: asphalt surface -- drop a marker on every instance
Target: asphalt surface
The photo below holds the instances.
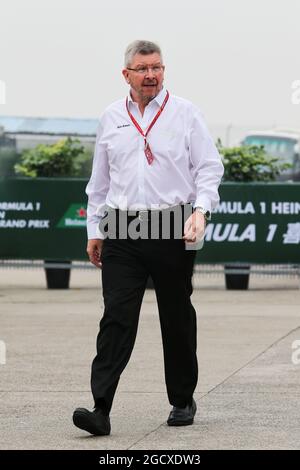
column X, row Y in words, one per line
column 248, row 390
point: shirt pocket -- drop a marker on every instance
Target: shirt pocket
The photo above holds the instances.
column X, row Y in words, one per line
column 122, row 144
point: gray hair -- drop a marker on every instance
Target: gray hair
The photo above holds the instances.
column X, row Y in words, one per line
column 140, row 47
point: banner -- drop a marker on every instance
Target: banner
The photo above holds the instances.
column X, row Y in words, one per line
column 45, row 218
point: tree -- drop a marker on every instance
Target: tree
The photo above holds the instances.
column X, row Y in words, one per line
column 64, row 158
column 249, row 163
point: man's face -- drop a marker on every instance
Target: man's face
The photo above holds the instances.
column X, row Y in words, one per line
column 148, row 84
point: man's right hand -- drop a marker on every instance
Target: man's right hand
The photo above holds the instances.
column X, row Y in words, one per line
column 94, row 248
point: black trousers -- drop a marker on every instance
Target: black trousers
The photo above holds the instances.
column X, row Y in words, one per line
column 126, row 265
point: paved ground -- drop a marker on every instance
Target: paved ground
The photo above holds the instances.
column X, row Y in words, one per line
column 248, row 392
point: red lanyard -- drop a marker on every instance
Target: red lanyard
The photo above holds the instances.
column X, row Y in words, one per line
column 147, row 149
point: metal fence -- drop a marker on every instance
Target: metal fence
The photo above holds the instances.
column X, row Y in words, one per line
column 200, row 270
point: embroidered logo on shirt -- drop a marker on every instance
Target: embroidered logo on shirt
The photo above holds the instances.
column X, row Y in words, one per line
column 123, row 125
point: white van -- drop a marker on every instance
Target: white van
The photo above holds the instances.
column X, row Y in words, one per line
column 280, row 143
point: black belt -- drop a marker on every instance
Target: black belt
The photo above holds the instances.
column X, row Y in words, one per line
column 145, row 215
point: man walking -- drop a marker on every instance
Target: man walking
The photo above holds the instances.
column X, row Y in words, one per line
column 154, row 158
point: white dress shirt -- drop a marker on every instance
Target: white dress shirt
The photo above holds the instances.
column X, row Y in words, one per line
column 186, row 168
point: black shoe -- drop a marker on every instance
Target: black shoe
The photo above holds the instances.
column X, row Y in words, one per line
column 182, row 416
column 94, row 422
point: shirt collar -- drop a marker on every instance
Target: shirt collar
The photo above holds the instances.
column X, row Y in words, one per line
column 158, row 99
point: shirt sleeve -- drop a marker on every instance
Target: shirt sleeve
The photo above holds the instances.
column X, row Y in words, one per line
column 207, row 166
column 97, row 187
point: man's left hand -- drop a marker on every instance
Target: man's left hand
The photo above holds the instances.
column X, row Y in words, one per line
column 194, row 227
